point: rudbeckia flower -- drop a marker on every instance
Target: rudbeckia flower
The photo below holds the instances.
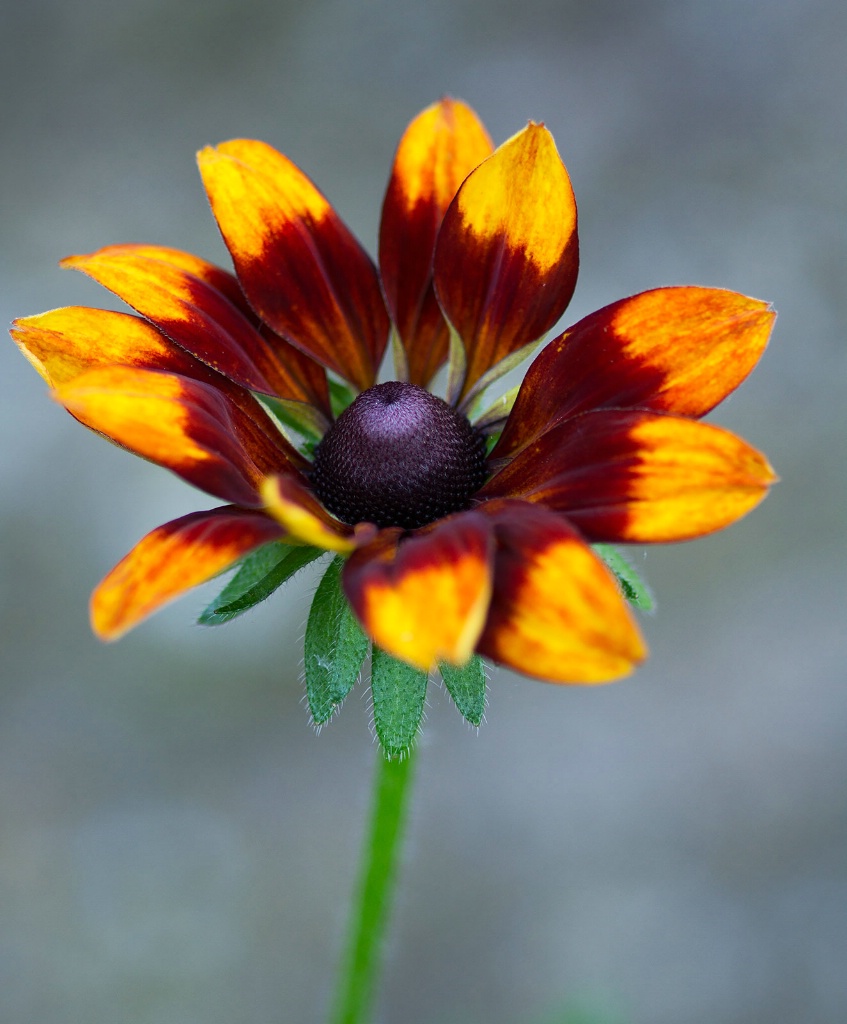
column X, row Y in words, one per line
column 462, row 526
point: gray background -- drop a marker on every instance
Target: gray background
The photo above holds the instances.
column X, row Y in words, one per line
column 176, row 844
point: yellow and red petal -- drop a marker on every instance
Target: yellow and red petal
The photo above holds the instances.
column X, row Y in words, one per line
column 424, row 599
column 172, row 559
column 556, row 612
column 637, row 476
column 298, row 264
column 441, row 146
column 191, row 301
column 678, row 350
column 291, row 503
column 189, row 427
column 507, row 254
column 63, row 344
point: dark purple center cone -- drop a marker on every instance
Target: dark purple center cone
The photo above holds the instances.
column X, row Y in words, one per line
column 398, row 456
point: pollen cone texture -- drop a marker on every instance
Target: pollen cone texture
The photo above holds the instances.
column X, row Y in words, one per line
column 398, row 456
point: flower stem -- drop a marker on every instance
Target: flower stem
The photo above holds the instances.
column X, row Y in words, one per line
column 360, row 967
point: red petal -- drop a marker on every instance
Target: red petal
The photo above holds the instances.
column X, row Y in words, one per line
column 679, row 350
column 300, row 267
column 637, row 476
column 187, row 426
column 556, row 612
column 191, row 302
column 172, row 559
column 424, row 599
column 437, row 152
column 507, row 253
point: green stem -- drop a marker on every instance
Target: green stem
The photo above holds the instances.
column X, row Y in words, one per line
column 357, row 980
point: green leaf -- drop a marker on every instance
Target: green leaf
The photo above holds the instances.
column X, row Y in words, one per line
column 634, row 588
column 336, row 646
column 340, row 396
column 258, row 576
column 399, row 691
column 466, row 685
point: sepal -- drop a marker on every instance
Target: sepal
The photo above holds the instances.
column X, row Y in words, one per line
column 399, row 692
column 258, row 576
column 466, row 685
column 335, row 647
column 633, row 585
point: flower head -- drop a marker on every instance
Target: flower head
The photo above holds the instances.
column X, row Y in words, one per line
column 464, row 527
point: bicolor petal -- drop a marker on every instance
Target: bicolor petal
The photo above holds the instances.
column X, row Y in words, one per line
column 191, row 301
column 173, row 559
column 300, row 267
column 295, row 506
column 424, row 599
column 65, row 343
column 678, row 350
column 506, row 258
column 637, row 476
column 189, row 427
column 556, row 612
column 441, row 146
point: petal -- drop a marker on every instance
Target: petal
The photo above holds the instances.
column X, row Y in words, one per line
column 187, row 426
column 438, row 150
column 424, row 600
column 190, row 300
column 172, row 559
column 506, row 258
column 302, row 515
column 299, row 265
column 638, row 476
column 679, row 350
column 556, row 612
column 65, row 343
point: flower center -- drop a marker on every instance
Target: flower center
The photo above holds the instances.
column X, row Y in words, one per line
column 398, row 456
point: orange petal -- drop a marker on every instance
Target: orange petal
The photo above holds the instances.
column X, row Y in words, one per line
column 638, row 476
column 556, row 613
column 437, row 152
column 167, row 562
column 191, row 301
column 299, row 265
column 507, row 254
column 424, row 599
column 302, row 515
column 64, row 343
column 188, row 427
column 678, row 350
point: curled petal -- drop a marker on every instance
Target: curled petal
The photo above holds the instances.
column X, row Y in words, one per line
column 556, row 612
column 172, row 559
column 506, row 258
column 300, row 267
column 677, row 350
column 425, row 599
column 437, row 152
column 638, row 476
column 187, row 426
column 302, row 515
column 191, row 301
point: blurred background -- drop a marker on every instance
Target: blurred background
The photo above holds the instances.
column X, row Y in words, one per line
column 177, row 845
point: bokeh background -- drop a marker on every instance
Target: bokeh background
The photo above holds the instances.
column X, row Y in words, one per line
column 176, row 844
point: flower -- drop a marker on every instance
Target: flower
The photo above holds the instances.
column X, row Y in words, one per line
column 464, row 529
